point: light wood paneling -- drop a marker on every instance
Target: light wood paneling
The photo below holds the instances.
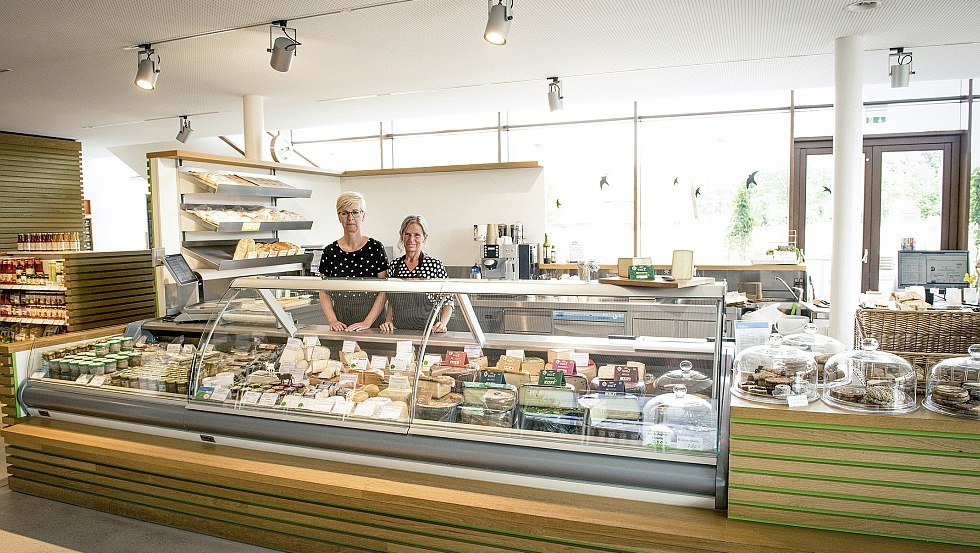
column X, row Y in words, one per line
column 304, row 504
column 108, row 288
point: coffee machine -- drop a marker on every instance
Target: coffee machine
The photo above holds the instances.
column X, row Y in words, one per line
column 500, row 261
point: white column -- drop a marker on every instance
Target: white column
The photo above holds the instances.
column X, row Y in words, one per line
column 845, row 282
column 254, row 116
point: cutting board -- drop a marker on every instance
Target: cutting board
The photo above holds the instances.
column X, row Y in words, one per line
column 659, row 282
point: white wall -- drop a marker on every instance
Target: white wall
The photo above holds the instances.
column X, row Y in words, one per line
column 452, row 203
column 117, row 195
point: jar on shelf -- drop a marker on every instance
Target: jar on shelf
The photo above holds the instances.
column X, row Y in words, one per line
column 773, row 372
column 870, row 381
column 953, row 386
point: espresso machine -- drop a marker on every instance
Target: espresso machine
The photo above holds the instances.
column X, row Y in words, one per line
column 500, row 261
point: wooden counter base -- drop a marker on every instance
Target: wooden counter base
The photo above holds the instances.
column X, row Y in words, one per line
column 915, row 475
column 298, row 504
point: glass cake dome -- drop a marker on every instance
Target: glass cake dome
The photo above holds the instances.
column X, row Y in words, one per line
column 772, row 372
column 953, row 386
column 869, row 380
column 694, row 381
column 821, row 347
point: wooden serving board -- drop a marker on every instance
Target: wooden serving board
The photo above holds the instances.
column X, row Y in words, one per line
column 659, row 282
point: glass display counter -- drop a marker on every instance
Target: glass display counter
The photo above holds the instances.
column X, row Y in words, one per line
column 584, row 408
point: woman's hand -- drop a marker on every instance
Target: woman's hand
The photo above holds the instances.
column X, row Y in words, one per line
column 387, row 327
column 337, row 326
column 439, row 327
column 363, row 325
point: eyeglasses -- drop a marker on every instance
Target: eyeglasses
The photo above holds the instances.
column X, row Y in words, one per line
column 352, row 213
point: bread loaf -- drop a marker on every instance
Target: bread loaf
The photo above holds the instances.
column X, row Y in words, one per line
column 245, row 245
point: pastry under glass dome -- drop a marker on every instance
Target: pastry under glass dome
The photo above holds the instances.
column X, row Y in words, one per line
column 772, row 372
column 870, row 381
column 953, row 386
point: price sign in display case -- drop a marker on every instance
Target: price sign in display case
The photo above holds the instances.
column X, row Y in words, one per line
column 643, row 412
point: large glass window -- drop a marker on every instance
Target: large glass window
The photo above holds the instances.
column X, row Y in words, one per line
column 714, row 184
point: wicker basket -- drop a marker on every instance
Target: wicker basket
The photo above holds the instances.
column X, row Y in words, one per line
column 923, row 338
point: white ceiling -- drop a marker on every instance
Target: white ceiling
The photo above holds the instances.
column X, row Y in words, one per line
column 71, row 77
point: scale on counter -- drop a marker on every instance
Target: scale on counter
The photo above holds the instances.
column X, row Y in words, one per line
column 188, row 283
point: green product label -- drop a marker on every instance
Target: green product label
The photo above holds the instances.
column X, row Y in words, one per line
column 551, row 377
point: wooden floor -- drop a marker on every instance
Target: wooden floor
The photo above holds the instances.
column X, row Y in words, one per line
column 296, row 504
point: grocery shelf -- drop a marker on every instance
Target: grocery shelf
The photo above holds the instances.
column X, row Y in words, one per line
column 33, row 287
column 251, row 185
column 25, row 320
column 249, row 226
column 220, row 258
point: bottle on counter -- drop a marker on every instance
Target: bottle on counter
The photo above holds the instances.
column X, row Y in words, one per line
column 476, row 272
column 546, row 247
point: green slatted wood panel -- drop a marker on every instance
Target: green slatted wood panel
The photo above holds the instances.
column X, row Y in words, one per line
column 914, row 476
column 40, row 187
column 106, row 288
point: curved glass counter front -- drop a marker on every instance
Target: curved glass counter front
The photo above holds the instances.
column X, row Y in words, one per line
column 528, row 379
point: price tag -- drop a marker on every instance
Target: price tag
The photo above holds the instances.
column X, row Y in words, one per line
column 690, row 442
column 551, row 377
column 399, row 364
column 311, row 341
column 473, row 350
column 348, row 380
column 491, row 377
column 430, row 359
column 251, row 226
column 379, row 362
column 204, row 393
column 269, row 399
column 83, row 379
column 322, row 405
column 343, row 407
column 581, row 359
column 287, row 366
column 566, row 366
column 294, row 402
column 209, row 348
column 251, row 397
column 509, row 363
column 220, row 394
column 797, row 401
column 173, row 348
column 403, row 346
column 398, row 382
column 97, row 380
column 456, row 358
column 626, row 374
column 39, row 374
column 612, row 387
column 350, row 346
column 358, row 364
column 519, row 353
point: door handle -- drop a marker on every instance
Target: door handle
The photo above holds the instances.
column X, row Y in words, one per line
column 864, row 258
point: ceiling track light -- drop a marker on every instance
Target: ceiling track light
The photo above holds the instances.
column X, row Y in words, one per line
column 555, row 97
column 147, row 69
column 499, row 15
column 282, row 48
column 185, row 129
column 900, row 67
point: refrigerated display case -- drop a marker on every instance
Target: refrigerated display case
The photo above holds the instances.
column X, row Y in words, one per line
column 268, row 368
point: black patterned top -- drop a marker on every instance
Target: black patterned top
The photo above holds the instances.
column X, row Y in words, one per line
column 428, row 267
column 410, row 310
column 366, row 262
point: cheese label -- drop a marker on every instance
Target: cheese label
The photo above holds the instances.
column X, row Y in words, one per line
column 510, row 363
column 294, row 402
column 551, row 377
column 797, row 400
column 581, row 359
column 322, row 405
column 473, row 350
column 379, row 362
column 567, row 366
column 519, row 353
column 612, row 387
column 251, row 226
column 399, row 382
column 626, row 374
column 399, row 364
column 404, row 346
column 39, row 374
column 220, row 394
column 97, row 380
column 83, row 379
column 490, row 377
column 350, row 346
column 348, row 379
column 251, row 397
column 269, row 399
column 358, row 364
column 430, row 359
column 173, row 348
column 456, row 358
column 311, row 341
column 204, row 392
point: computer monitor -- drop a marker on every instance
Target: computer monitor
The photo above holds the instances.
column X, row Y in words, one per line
column 933, row 269
column 179, row 269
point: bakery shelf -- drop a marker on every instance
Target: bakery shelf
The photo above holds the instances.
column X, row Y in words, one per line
column 33, row 287
column 240, row 226
column 220, row 258
column 251, row 185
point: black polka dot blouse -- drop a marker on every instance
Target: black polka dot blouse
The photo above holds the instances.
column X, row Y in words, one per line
column 366, row 262
column 428, row 267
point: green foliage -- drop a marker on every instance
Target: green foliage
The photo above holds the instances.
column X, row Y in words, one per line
column 742, row 223
column 975, row 205
column 929, row 205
